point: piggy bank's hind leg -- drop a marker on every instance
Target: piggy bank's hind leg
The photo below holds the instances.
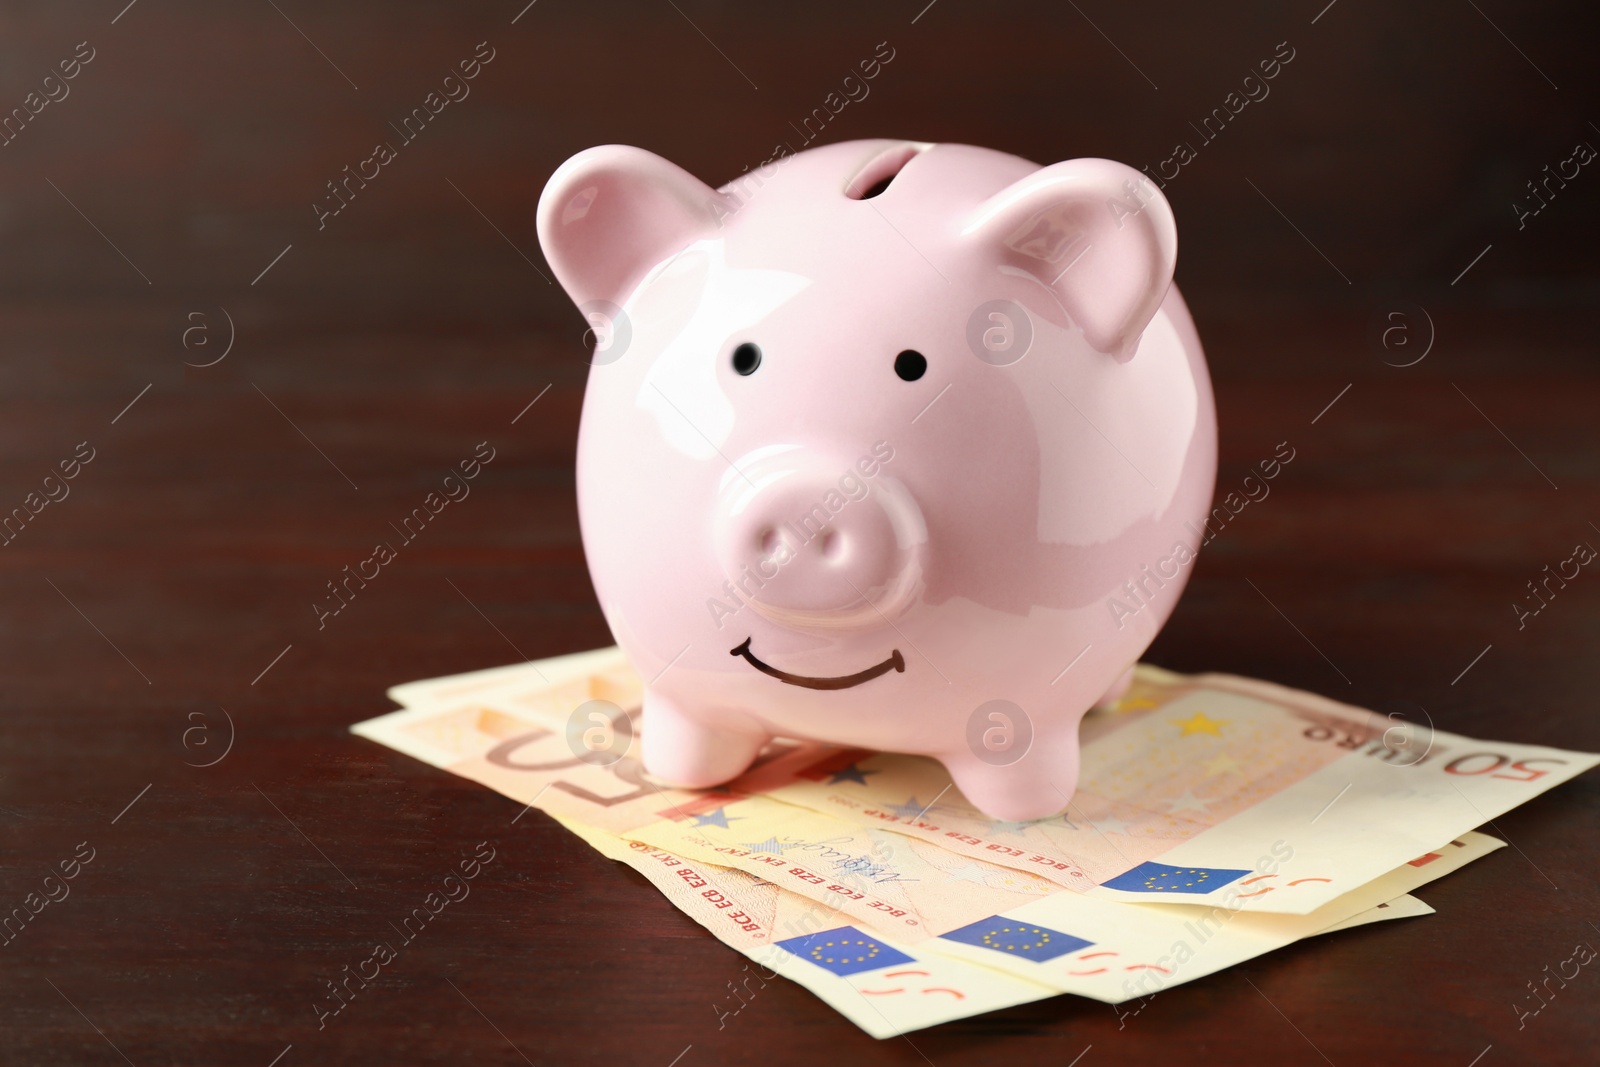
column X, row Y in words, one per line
column 1037, row 786
column 684, row 752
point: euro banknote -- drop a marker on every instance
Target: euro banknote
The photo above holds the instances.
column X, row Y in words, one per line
column 1091, row 946
column 913, row 890
column 909, row 894
column 1404, row 906
column 1205, row 790
column 883, row 986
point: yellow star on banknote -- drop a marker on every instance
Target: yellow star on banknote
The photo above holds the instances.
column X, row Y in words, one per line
column 1222, row 763
column 1200, row 724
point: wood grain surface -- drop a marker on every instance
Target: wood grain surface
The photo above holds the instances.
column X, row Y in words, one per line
column 162, row 203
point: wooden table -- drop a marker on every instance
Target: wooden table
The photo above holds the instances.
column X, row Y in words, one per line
column 159, row 615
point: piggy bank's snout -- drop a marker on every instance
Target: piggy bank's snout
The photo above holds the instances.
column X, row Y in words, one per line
column 817, row 545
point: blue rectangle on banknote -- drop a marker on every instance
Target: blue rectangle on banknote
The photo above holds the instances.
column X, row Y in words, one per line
column 1024, row 940
column 844, row 950
column 1160, row 878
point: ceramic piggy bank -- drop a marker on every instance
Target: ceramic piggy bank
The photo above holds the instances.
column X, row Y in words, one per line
column 891, row 445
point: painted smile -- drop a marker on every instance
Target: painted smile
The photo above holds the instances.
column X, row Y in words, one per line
column 894, row 663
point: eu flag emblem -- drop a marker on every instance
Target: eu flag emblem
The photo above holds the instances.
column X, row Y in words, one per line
column 1014, row 938
column 844, row 951
column 1159, row 878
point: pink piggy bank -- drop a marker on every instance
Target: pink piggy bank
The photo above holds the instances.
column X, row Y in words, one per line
column 886, row 444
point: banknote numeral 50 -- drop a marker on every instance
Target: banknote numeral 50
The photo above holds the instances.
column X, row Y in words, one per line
column 1529, row 774
column 629, row 771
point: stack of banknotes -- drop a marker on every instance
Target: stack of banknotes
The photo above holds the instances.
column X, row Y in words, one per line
column 1217, row 818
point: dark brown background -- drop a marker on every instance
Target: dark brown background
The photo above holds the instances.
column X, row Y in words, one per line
column 409, row 329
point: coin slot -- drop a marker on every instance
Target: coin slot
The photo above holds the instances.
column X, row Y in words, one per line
column 872, row 179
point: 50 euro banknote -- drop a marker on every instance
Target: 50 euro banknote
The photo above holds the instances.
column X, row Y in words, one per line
column 1208, row 790
column 885, row 986
column 947, row 904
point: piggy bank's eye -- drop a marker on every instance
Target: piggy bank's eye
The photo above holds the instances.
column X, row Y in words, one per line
column 746, row 358
column 910, row 365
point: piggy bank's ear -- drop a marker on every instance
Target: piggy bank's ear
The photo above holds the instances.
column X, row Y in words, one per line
column 610, row 214
column 1096, row 233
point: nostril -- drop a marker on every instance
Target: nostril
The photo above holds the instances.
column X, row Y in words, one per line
column 830, row 544
column 769, row 541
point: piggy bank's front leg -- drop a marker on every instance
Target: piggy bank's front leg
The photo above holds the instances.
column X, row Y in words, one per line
column 1039, row 785
column 682, row 751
